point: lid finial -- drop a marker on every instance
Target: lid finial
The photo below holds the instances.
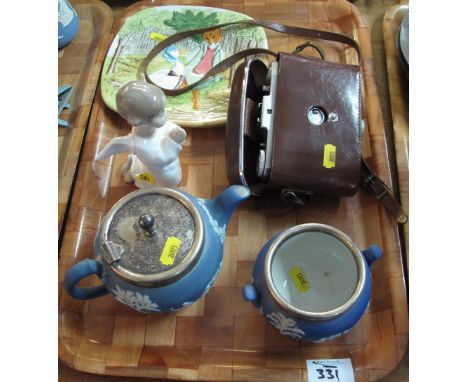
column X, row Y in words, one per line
column 146, row 222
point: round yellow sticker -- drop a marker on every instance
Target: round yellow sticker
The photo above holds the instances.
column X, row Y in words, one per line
column 145, row 177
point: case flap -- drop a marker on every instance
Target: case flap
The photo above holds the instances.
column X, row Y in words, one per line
column 308, row 155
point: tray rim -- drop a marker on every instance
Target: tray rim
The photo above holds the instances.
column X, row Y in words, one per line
column 381, row 161
column 80, row 130
column 400, row 126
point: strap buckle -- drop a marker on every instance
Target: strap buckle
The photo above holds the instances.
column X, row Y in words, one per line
column 301, row 47
column 373, row 184
column 299, row 197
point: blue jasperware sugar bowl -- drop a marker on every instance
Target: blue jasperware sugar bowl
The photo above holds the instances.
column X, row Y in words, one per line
column 312, row 282
column 158, row 249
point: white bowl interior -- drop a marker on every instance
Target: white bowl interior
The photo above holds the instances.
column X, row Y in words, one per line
column 324, row 262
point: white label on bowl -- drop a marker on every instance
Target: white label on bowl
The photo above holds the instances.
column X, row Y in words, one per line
column 333, row 370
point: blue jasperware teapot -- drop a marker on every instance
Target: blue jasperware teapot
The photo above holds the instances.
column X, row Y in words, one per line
column 158, row 249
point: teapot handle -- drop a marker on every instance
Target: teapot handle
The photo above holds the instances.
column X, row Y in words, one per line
column 78, row 272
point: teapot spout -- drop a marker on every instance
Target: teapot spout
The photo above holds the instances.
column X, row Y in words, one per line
column 225, row 203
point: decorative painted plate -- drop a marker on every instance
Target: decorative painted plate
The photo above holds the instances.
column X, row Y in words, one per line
column 182, row 63
column 403, row 38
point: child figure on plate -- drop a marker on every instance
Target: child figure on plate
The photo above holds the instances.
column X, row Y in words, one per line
column 154, row 143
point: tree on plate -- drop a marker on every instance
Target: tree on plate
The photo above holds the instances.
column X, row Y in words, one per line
column 134, row 36
column 182, row 21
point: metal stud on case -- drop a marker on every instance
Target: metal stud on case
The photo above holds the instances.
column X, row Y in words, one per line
column 316, row 116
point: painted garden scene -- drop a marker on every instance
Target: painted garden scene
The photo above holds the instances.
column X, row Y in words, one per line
column 182, row 63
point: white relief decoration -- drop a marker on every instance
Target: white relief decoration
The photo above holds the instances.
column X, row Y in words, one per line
column 65, row 13
column 137, row 301
column 286, row 326
column 331, row 337
column 220, row 231
column 184, row 305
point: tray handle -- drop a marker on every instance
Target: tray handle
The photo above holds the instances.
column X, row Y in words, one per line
column 78, row 272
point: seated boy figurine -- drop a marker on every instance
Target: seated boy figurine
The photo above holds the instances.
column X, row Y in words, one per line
column 154, row 143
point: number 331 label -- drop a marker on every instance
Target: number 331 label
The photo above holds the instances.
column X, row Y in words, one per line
column 334, row 370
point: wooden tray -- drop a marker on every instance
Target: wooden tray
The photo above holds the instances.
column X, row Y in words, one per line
column 222, row 337
column 79, row 65
column 398, row 88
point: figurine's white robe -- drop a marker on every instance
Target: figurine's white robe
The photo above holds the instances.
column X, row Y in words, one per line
column 156, row 154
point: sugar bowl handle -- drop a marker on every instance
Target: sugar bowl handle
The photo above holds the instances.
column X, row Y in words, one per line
column 78, row 272
column 250, row 294
column 372, row 253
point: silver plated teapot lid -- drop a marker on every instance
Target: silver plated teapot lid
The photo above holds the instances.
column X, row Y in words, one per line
column 152, row 236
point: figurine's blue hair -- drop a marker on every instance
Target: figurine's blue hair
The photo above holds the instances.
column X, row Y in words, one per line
column 169, row 53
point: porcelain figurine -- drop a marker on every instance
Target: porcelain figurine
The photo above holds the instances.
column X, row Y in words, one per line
column 158, row 249
column 311, row 282
column 154, row 143
column 67, row 23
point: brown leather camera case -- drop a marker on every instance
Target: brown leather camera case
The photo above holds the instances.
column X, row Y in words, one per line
column 322, row 157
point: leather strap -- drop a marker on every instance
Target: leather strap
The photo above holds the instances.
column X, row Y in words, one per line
column 228, row 62
column 220, row 67
column 372, row 183
column 301, row 47
column 369, row 180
